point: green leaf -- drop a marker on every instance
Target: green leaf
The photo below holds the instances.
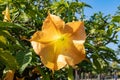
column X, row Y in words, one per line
column 5, row 25
column 79, row 5
column 118, row 29
column 8, row 59
column 116, row 19
column 110, row 30
column 6, row 34
column 97, row 65
column 106, row 49
column 89, row 46
column 2, row 41
column 23, row 58
column 4, row 2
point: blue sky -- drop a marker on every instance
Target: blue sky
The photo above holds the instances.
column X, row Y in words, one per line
column 106, row 7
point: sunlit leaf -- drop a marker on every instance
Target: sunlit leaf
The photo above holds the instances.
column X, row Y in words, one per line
column 116, row 18
column 2, row 40
column 4, row 25
column 23, row 58
column 4, row 2
column 118, row 29
column 8, row 59
column 96, row 63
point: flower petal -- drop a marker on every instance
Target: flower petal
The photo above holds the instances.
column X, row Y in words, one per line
column 55, row 55
column 59, row 44
column 76, row 29
column 9, row 75
column 51, row 29
column 74, row 54
column 52, row 54
column 47, row 54
column 52, row 25
column 40, row 37
column 6, row 14
column 49, row 57
column 37, row 47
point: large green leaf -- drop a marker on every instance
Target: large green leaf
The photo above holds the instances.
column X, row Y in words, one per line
column 23, row 58
column 96, row 63
column 6, row 35
column 8, row 59
column 3, row 42
column 5, row 25
column 104, row 48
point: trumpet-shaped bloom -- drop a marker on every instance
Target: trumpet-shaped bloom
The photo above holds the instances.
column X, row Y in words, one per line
column 59, row 44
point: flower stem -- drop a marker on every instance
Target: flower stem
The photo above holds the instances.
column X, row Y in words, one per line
column 70, row 73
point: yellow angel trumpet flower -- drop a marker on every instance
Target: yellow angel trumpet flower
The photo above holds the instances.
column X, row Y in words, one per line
column 6, row 14
column 59, row 44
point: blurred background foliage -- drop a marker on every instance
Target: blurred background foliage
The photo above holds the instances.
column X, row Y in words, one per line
column 27, row 16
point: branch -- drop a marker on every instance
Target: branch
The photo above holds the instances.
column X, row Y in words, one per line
column 110, row 39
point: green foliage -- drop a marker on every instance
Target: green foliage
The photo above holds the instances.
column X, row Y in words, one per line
column 67, row 10
column 7, row 58
column 27, row 17
column 116, row 18
column 101, row 32
column 5, row 25
column 24, row 59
